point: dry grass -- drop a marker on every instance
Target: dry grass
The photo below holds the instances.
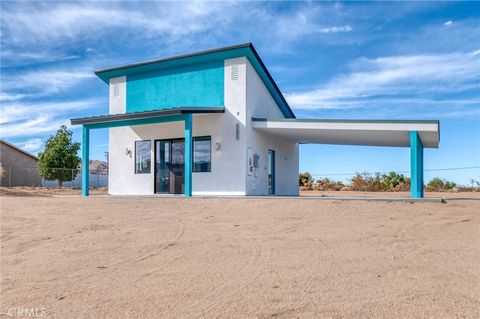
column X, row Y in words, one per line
column 46, row 192
column 119, row 257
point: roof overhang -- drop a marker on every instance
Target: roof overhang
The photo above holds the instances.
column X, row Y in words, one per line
column 351, row 132
column 145, row 115
column 242, row 50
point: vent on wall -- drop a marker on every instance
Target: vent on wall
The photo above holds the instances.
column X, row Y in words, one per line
column 234, row 72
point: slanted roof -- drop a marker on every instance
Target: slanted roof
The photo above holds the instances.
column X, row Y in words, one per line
column 351, row 132
column 19, row 149
column 247, row 50
column 145, row 115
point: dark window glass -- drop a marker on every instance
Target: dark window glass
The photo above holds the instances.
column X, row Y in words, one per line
column 142, row 157
column 202, row 150
column 178, row 152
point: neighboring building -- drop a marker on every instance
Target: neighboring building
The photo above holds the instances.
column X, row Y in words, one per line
column 222, row 111
column 19, row 168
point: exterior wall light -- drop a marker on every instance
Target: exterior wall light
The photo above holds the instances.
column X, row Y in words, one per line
column 218, row 146
column 128, row 152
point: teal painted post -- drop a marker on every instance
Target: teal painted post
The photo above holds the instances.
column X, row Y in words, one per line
column 85, row 159
column 188, row 155
column 416, row 165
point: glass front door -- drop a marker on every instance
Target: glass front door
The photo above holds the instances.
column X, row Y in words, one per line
column 169, row 166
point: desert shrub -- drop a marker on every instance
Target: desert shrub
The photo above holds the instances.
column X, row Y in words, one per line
column 327, row 184
column 305, row 180
column 366, row 182
column 392, row 182
column 395, row 182
column 473, row 187
column 440, row 185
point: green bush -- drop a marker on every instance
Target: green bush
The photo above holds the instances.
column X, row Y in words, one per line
column 305, row 180
column 366, row 183
column 440, row 185
column 379, row 182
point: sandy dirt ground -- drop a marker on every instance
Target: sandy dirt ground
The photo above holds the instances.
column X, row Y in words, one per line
column 158, row 257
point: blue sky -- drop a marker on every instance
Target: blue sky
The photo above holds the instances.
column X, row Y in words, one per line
column 353, row 60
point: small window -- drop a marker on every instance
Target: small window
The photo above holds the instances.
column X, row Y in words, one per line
column 142, row 157
column 116, row 89
column 202, row 153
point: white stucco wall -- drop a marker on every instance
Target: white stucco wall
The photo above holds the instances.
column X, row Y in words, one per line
column 261, row 104
column 118, row 104
column 227, row 176
column 229, row 164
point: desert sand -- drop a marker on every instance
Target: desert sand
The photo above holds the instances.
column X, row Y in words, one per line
column 160, row 257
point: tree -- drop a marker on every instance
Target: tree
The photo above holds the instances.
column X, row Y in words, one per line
column 59, row 160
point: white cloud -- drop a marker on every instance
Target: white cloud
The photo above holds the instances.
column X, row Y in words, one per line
column 345, row 28
column 22, row 112
column 34, row 119
column 20, row 57
column 45, row 81
column 31, row 127
column 393, row 77
column 5, row 97
column 32, row 145
column 174, row 26
column 449, row 22
column 73, row 20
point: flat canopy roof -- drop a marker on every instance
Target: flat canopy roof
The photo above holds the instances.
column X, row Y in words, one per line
column 145, row 115
column 351, row 132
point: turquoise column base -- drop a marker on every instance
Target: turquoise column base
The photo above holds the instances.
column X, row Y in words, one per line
column 188, row 155
column 416, row 166
column 85, row 160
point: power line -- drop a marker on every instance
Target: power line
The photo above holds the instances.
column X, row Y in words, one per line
column 427, row 170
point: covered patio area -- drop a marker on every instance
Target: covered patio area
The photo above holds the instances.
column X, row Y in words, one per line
column 416, row 135
column 181, row 114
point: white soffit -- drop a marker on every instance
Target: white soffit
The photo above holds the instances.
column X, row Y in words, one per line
column 351, row 132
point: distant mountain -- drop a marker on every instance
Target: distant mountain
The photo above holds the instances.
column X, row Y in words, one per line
column 98, row 167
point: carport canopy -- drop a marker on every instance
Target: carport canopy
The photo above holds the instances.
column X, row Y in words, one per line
column 395, row 133
column 351, row 132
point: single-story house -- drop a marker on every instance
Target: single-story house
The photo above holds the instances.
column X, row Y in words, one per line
column 17, row 167
column 216, row 123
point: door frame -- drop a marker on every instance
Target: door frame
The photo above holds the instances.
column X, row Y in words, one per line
column 171, row 140
column 271, row 162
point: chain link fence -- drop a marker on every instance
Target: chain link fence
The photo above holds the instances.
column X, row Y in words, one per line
column 16, row 176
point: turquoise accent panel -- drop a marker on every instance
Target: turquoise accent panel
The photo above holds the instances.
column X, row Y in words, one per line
column 190, row 85
column 416, row 165
column 85, row 159
column 215, row 57
column 188, row 155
